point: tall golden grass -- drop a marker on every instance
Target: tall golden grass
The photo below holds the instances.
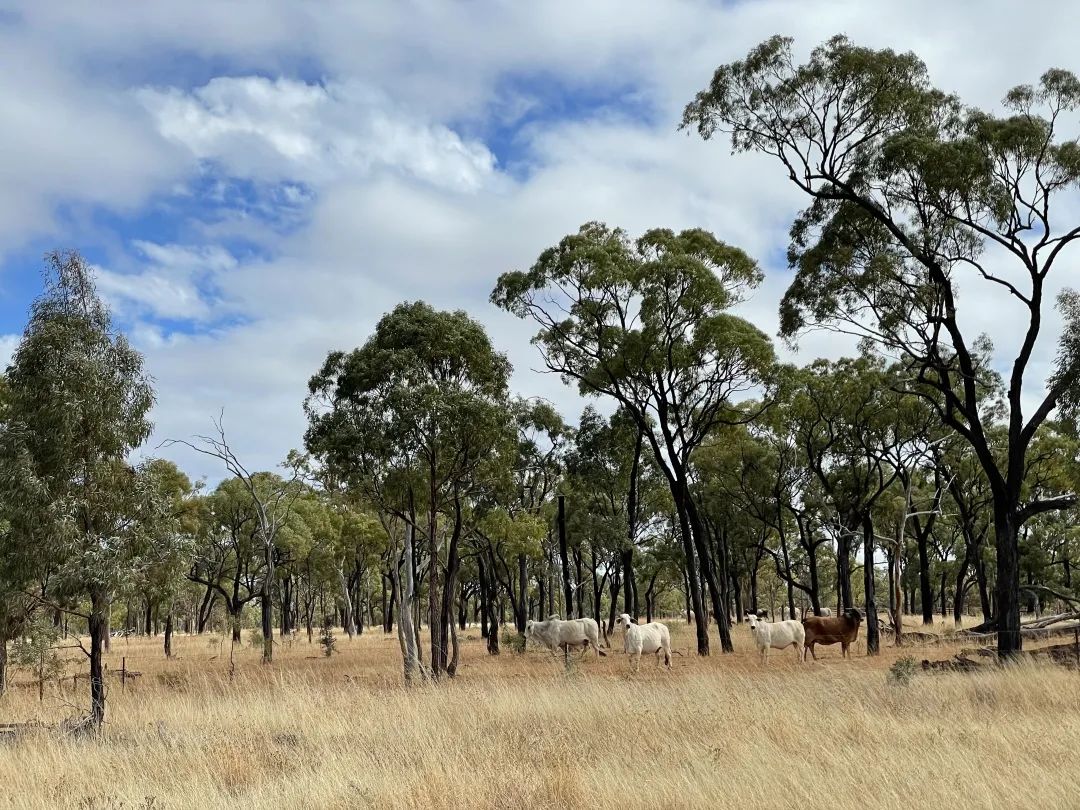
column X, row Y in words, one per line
column 518, row 732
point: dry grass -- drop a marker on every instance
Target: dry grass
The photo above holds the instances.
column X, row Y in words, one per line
column 517, row 732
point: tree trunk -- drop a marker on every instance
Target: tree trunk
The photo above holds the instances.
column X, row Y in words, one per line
column 438, row 633
column 3, row 664
column 286, row 605
column 493, row 611
column 872, row 633
column 450, row 588
column 697, row 530
column 564, row 559
column 522, row 607
column 693, row 587
column 98, row 626
column 168, row 634
column 483, row 595
column 815, row 582
column 346, row 600
column 407, row 636
column 926, row 594
column 1007, row 590
column 579, row 590
column 843, row 566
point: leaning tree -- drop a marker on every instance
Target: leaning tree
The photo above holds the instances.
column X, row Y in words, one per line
column 916, row 198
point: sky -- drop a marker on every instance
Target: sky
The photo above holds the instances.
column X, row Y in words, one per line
column 258, row 182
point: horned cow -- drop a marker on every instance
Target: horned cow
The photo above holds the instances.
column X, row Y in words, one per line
column 843, row 629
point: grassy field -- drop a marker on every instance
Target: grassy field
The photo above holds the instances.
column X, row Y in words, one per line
column 517, row 732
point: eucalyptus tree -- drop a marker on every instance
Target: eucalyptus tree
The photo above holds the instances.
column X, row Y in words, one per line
column 227, row 559
column 412, row 415
column 915, row 198
column 606, row 473
column 271, row 499
column 78, row 404
column 162, row 574
column 645, row 322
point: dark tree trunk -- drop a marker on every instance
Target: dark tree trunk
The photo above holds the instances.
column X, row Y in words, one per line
column 693, row 587
column 944, row 593
column 984, row 590
column 614, row 602
column 697, row 530
column 629, row 585
column 483, row 599
column 630, row 594
column 521, row 614
column 450, row 583
column 564, row 560
column 889, row 556
column 926, row 594
column 286, row 605
column 843, row 566
column 168, row 635
column 98, row 626
column 148, row 617
column 493, row 612
column 807, row 541
column 579, row 590
column 736, row 588
column 267, row 610
column 650, row 597
column 388, row 617
column 206, row 609
column 3, row 664
column 1007, row 587
column 872, row 632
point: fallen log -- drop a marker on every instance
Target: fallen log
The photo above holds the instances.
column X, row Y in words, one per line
column 958, row 663
column 1027, row 632
column 1046, row 621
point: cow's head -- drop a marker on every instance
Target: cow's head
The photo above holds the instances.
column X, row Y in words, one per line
column 852, row 614
column 623, row 622
column 529, row 629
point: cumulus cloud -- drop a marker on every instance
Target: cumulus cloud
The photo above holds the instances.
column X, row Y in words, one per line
column 368, row 129
column 286, row 129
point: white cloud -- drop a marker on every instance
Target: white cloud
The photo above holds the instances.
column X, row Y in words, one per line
column 383, row 155
column 290, row 130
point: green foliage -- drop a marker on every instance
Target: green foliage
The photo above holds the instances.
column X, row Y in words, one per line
column 34, row 650
column 78, row 404
column 512, row 640
column 902, row 672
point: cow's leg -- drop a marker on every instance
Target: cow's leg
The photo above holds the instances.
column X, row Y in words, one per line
column 843, row 649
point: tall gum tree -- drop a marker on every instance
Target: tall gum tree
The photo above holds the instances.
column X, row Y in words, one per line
column 413, row 415
column 78, row 404
column 645, row 322
column 911, row 193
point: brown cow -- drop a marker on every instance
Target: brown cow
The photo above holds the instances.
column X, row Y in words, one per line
column 830, row 630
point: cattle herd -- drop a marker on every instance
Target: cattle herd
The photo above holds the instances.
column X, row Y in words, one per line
column 655, row 638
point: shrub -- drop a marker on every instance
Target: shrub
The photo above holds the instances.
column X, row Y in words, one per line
column 513, row 640
column 902, row 671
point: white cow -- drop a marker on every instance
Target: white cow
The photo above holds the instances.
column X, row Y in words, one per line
column 555, row 633
column 777, row 636
column 653, row 637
